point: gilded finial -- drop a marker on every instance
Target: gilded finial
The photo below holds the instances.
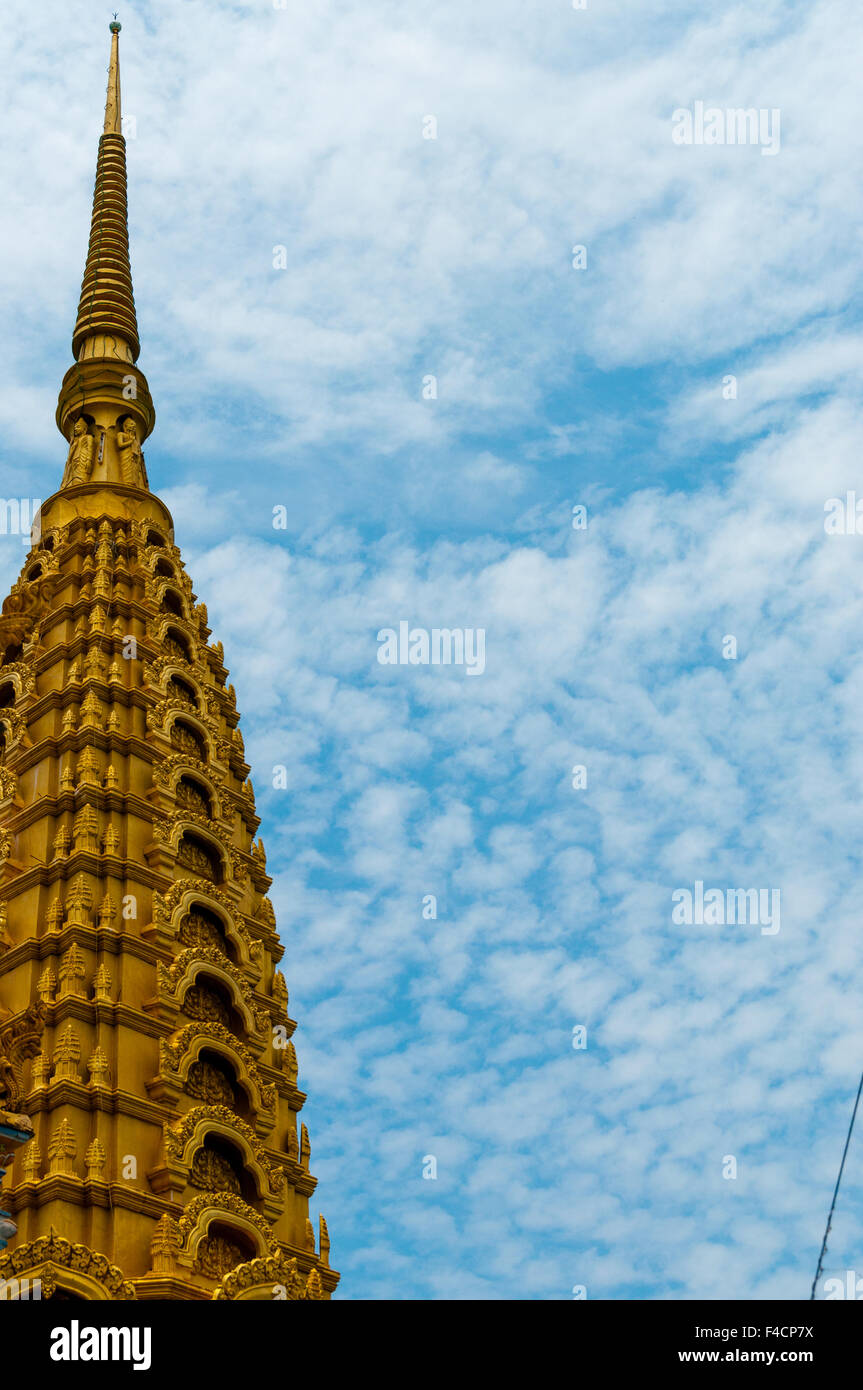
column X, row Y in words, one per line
column 113, row 121
column 95, row 397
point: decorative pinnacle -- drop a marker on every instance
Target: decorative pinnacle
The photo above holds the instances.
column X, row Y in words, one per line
column 113, row 121
column 105, row 342
column 107, row 305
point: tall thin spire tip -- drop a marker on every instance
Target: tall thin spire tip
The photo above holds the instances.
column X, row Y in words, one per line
column 113, row 120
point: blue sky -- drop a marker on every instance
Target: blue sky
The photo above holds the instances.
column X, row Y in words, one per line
column 302, row 127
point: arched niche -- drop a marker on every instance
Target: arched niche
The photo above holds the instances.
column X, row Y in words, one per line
column 176, row 643
column 216, row 1130
column 201, row 856
column 207, row 997
column 213, row 1079
column 201, row 926
column 180, row 688
column 193, row 794
column 223, row 1247
column 173, row 602
column 187, row 737
column 231, row 1009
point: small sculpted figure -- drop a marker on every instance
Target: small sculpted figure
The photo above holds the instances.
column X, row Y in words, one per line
column 79, row 464
column 131, row 458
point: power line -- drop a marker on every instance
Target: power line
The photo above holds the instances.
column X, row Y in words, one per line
column 836, row 1191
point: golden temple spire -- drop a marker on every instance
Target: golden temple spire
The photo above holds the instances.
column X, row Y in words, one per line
column 107, row 304
column 144, row 1024
column 104, row 397
column 113, row 123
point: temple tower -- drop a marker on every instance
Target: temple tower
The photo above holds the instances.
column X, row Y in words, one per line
column 144, row 1026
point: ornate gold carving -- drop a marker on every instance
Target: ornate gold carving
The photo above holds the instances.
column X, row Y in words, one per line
column 97, row 1066
column 72, row 971
column 91, row 710
column 185, row 740
column 107, row 912
column 67, row 1055
column 20, row 1039
column 96, row 663
column 198, row 930
column 192, row 799
column 211, row 1084
column 175, row 649
column 12, row 725
column 225, row 749
column 85, row 830
column 79, row 899
column 94, row 1161
column 166, row 904
column 167, row 771
column 165, row 1245
column 172, row 1054
column 214, row 1172
column 102, row 985
column 180, row 695
column 111, row 840
column 192, row 855
column 61, row 843
column 54, row 916
column 228, row 1202
column 40, row 1072
column 267, row 1272
column 217, row 1256
column 266, row 913
column 177, row 1137
column 205, row 1005
column 22, row 676
column 208, row 947
column 24, row 609
column 47, row 985
column 62, row 1149
column 32, row 1163
column 54, row 1250
column 238, row 864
